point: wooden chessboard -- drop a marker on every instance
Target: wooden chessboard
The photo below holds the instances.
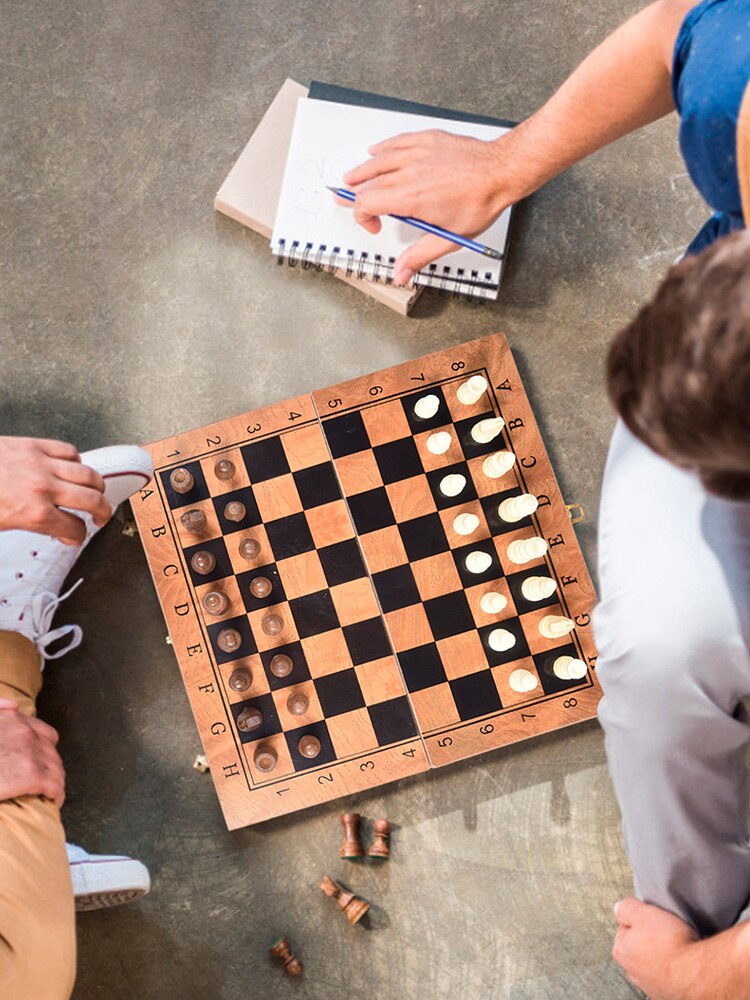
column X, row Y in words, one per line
column 381, row 618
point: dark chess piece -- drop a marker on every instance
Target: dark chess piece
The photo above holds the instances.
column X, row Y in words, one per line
column 181, row 480
column 250, row 719
column 265, row 758
column 249, row 548
column 240, row 679
column 309, row 746
column 224, row 469
column 203, row 562
column 281, row 665
column 280, row 949
column 379, row 849
column 229, row 640
column 260, row 587
column 194, row 521
column 298, row 703
column 215, row 603
column 353, row 907
column 235, row 511
column 272, row 624
column 351, row 849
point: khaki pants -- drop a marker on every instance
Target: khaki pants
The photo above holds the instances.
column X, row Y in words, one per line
column 37, row 916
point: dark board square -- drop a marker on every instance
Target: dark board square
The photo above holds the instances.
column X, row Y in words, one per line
column 396, row 588
column 247, row 647
column 441, row 418
column 300, row 670
column 423, row 537
column 289, row 536
column 342, row 562
column 544, row 663
column 392, row 721
column 367, row 641
column 317, row 485
column 472, row 448
column 371, row 510
column 468, row 493
column 449, row 615
column 199, row 491
column 496, row 524
column 252, row 516
column 523, row 605
column 398, row 460
column 218, row 550
column 475, row 695
column 271, row 724
column 271, row 574
column 346, row 434
column 493, row 572
column 314, row 613
column 265, row 459
column 422, row 667
column 339, row 692
column 320, row 731
column 496, row 658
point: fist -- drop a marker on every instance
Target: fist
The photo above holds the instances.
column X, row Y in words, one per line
column 29, row 761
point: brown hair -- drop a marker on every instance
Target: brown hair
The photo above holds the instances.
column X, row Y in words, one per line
column 679, row 374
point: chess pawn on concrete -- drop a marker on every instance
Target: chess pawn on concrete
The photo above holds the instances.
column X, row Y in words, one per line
column 487, row 430
column 472, row 390
column 517, row 508
column 555, row 626
column 499, row 464
column 522, row 681
column 538, row 588
column 351, row 849
column 493, row 603
column 281, row 949
column 568, row 668
column 379, row 849
column 351, row 906
column 525, row 550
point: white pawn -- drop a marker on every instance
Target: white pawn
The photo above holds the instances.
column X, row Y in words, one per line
column 493, row 603
column 538, row 588
column 472, row 390
column 567, row 668
column 439, row 442
column 426, row 407
column 555, row 626
column 525, row 550
column 478, row 562
column 498, row 464
column 522, row 681
column 487, row 430
column 465, row 524
column 451, row 486
column 500, row 639
column 516, row 508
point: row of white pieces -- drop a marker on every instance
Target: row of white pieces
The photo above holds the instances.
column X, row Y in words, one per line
column 468, row 393
column 565, row 668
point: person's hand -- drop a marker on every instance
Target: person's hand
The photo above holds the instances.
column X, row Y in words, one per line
column 38, row 478
column 452, row 181
column 29, row 762
column 653, row 947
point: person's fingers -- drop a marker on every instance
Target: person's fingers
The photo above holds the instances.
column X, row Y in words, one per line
column 59, row 449
column 626, row 911
column 419, row 255
column 383, row 163
column 81, row 498
column 76, row 472
column 9, row 704
column 404, row 140
column 53, row 784
column 62, row 525
column 44, row 731
column 369, row 222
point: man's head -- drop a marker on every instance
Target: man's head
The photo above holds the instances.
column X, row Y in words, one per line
column 679, row 374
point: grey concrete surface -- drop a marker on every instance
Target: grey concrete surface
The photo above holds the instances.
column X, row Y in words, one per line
column 130, row 311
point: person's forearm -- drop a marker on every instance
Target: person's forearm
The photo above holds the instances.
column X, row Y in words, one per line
column 717, row 968
column 623, row 84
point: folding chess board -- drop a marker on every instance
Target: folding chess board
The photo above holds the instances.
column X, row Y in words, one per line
column 378, row 613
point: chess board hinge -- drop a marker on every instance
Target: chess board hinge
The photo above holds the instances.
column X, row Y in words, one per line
column 576, row 513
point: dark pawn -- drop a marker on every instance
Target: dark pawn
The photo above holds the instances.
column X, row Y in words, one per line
column 272, row 624
column 250, row 719
column 265, row 758
column 229, row 640
column 194, row 521
column 353, row 907
column 281, row 665
column 351, row 849
column 224, row 469
column 203, row 562
column 260, row 587
column 240, row 679
column 298, row 703
column 379, row 850
column 309, row 746
column 235, row 511
column 280, row 949
column 249, row 548
column 181, row 480
column 215, row 603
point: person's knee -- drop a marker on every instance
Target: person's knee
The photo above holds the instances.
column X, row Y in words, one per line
column 39, row 960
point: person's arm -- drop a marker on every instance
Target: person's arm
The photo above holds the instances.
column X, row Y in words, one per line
column 663, row 956
column 29, row 762
column 463, row 184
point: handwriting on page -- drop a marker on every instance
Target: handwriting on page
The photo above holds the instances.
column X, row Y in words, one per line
column 311, row 180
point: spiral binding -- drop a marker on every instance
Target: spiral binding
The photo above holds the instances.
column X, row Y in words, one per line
column 379, row 269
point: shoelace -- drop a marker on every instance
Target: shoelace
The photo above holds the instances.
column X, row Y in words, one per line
column 43, row 608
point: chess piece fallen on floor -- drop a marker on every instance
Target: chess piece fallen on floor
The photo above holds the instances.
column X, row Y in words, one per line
column 380, row 849
column 351, row 849
column 201, row 763
column 351, row 906
column 281, row 949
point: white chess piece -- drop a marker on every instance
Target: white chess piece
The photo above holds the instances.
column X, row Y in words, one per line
column 452, row 485
column 487, row 430
column 516, row 508
column 498, row 464
column 555, row 626
column 538, row 588
column 426, row 407
column 568, row 668
column 478, row 561
column 439, row 442
column 501, row 640
column 522, row 681
column 472, row 390
column 525, row 550
column 465, row 524
column 493, row 603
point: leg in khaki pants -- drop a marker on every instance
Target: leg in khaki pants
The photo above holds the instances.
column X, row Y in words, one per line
column 37, row 917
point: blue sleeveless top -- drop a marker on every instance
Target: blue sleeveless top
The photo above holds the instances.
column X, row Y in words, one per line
column 710, row 72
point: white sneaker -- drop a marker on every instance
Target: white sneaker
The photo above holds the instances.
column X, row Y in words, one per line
column 101, row 880
column 33, row 567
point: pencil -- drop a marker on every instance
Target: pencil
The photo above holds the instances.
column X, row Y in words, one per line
column 428, row 227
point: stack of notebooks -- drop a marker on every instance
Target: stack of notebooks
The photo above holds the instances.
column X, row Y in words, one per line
column 304, row 144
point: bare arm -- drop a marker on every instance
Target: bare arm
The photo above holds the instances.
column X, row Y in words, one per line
column 463, row 184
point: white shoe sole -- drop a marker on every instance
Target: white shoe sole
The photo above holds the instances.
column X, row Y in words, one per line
column 100, row 884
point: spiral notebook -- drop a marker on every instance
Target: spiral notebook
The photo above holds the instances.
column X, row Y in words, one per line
column 312, row 230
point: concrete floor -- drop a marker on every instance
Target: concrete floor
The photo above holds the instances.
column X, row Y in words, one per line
column 131, row 311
